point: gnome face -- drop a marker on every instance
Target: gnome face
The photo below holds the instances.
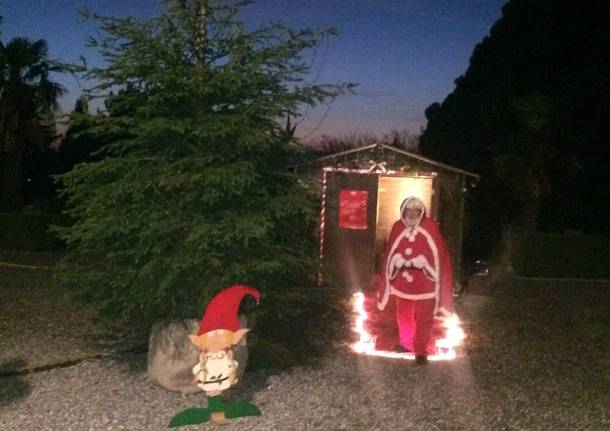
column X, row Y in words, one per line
column 217, row 340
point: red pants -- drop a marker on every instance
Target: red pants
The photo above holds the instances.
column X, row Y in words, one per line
column 415, row 320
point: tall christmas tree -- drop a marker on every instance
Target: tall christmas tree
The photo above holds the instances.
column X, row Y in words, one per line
column 192, row 194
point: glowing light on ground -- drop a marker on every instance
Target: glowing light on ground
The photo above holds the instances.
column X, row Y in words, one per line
column 445, row 347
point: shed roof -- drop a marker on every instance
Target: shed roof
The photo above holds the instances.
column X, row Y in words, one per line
column 396, row 150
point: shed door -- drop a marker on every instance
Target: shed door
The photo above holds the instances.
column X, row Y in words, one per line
column 393, row 190
column 349, row 231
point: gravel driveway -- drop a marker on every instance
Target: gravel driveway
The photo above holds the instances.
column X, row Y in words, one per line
column 536, row 358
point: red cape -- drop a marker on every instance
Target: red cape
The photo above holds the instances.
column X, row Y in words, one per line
column 441, row 264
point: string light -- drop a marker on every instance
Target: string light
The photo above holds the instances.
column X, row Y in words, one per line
column 445, row 347
column 322, row 224
column 377, row 172
column 380, row 169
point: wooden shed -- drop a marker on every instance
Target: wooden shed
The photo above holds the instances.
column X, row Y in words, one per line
column 361, row 192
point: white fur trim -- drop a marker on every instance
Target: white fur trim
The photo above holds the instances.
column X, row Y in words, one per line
column 413, row 297
column 436, row 271
column 387, row 272
column 396, row 263
column 429, row 270
column 407, row 276
column 422, row 263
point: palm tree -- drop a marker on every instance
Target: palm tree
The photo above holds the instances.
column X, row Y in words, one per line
column 28, row 98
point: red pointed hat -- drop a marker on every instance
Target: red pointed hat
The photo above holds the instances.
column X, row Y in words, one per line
column 221, row 312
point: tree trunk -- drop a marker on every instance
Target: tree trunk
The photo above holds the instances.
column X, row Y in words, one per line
column 201, row 32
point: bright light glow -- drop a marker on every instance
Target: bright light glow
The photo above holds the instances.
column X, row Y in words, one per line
column 392, row 191
column 445, row 347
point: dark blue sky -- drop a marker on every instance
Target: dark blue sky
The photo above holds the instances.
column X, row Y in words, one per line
column 404, row 54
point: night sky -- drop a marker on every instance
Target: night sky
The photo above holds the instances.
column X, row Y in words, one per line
column 404, row 54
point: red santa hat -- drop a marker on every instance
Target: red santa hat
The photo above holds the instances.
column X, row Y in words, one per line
column 221, row 312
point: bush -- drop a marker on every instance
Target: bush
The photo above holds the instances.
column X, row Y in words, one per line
column 561, row 256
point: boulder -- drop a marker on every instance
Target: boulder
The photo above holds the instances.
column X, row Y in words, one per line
column 171, row 356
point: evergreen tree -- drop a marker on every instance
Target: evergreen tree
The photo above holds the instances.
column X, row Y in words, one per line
column 532, row 116
column 192, row 194
column 87, row 134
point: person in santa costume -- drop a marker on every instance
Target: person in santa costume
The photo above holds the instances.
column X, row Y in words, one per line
column 216, row 370
column 417, row 273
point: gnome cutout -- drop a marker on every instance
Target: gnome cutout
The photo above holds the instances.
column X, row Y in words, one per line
column 216, row 370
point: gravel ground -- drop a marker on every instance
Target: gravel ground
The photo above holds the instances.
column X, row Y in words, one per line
column 39, row 328
column 536, row 357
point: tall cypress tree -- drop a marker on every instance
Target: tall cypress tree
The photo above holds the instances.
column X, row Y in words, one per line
column 193, row 193
column 532, row 116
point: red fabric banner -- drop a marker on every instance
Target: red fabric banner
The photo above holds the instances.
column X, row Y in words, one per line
column 352, row 209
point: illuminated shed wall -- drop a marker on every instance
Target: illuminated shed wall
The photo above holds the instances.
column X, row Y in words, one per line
column 351, row 257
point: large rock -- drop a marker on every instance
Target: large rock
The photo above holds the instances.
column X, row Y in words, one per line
column 171, row 356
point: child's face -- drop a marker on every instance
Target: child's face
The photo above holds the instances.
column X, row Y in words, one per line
column 412, row 216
